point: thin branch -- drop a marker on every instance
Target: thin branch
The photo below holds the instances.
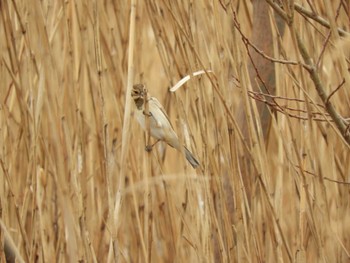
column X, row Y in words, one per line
column 323, row 48
column 334, row 91
column 321, row 90
column 335, row 181
column 279, row 10
column 327, row 39
column 247, row 42
column 303, row 11
column 287, row 111
column 324, row 178
column 341, row 124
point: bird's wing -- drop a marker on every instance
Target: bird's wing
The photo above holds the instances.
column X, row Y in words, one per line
column 153, row 102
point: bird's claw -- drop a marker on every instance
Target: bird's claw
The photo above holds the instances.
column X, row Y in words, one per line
column 147, row 114
column 148, row 148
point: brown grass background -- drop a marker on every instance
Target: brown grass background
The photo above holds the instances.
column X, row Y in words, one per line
column 70, row 149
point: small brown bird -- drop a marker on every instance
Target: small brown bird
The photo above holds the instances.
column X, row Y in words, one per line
column 159, row 122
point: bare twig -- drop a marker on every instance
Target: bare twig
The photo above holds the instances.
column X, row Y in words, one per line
column 324, row 178
column 255, row 93
column 334, row 91
column 323, row 48
column 285, row 110
column 335, row 181
column 318, row 19
column 327, row 40
column 248, row 43
column 321, row 90
column 278, row 10
column 311, row 68
column 303, row 11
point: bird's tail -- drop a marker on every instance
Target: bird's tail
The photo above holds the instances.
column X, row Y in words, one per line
column 192, row 160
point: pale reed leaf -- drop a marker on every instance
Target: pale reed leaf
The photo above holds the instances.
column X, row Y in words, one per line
column 187, row 78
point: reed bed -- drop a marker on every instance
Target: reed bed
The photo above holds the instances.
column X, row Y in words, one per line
column 77, row 183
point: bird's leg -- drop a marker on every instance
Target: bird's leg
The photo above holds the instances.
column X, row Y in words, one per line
column 148, row 148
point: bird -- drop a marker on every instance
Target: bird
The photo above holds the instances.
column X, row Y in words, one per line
column 159, row 123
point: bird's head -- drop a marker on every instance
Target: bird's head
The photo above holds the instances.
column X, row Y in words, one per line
column 138, row 94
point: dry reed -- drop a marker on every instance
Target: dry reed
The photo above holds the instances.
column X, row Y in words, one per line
column 78, row 185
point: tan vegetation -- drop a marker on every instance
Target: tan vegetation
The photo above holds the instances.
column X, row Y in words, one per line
column 77, row 183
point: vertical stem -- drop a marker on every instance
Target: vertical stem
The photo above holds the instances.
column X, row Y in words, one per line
column 126, row 128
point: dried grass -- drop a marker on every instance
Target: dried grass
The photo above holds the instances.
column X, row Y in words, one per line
column 77, row 182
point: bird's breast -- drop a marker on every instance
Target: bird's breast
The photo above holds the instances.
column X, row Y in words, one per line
column 156, row 127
